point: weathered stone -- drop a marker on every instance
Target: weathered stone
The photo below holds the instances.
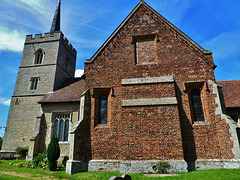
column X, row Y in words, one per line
column 24, row 108
column 150, row 102
column 147, row 80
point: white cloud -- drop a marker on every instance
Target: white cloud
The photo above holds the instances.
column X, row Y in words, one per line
column 79, row 72
column 38, row 12
column 173, row 10
column 32, row 6
column 11, row 40
column 5, row 102
column 224, row 45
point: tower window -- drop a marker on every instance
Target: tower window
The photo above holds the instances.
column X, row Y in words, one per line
column 103, row 107
column 34, row 83
column 39, row 57
column 61, row 127
column 197, row 105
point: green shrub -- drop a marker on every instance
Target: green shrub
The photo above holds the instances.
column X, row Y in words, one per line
column 162, row 167
column 21, row 165
column 40, row 161
column 53, row 153
column 22, row 152
column 60, row 166
column 64, row 161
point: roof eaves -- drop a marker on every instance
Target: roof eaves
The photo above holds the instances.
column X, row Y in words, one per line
column 46, row 102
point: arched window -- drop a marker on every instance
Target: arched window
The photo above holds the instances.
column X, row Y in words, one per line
column 56, row 128
column 66, row 130
column 34, row 83
column 38, row 56
column 61, row 130
column 197, row 105
column 103, row 106
column 61, row 127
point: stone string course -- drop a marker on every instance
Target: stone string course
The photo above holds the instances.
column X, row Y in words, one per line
column 150, row 102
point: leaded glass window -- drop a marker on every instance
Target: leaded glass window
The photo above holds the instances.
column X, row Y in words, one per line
column 61, row 130
column 61, row 126
column 56, row 128
column 66, row 130
column 197, row 105
column 103, row 106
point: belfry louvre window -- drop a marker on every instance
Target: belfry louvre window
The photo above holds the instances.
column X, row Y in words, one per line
column 61, row 126
column 197, row 105
column 34, row 83
column 103, row 108
column 38, row 56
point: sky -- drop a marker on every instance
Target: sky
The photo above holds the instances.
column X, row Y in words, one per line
column 214, row 25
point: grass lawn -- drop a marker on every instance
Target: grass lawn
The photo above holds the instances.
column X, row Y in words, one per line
column 15, row 172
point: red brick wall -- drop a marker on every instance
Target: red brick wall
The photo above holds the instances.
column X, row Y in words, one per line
column 152, row 132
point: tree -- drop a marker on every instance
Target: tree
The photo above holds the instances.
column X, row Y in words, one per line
column 53, row 153
column 1, row 140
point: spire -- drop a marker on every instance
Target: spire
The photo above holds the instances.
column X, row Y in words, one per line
column 56, row 19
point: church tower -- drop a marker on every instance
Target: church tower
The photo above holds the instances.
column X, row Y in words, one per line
column 46, row 61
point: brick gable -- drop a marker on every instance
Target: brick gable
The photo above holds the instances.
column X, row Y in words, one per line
column 144, row 124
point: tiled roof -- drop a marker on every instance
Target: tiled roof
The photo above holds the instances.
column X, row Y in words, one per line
column 231, row 92
column 69, row 91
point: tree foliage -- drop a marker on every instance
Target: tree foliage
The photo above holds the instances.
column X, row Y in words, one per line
column 53, row 153
column 22, row 152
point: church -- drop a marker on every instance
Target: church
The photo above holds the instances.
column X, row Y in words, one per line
column 148, row 94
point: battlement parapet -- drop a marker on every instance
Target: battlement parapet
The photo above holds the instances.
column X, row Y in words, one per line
column 57, row 36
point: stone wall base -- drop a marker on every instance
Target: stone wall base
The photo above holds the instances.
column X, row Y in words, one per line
column 148, row 166
column 206, row 164
column 7, row 155
column 123, row 166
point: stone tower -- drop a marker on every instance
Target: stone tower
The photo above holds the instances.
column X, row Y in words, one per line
column 46, row 61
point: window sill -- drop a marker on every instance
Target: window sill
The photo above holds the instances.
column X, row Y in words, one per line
column 101, row 126
column 62, row 142
column 201, row 123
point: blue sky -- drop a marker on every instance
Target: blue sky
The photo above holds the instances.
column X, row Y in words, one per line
column 215, row 25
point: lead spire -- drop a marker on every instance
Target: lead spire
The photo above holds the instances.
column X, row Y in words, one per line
column 56, row 19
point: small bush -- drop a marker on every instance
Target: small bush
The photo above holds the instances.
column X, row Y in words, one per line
column 22, row 152
column 60, row 166
column 21, row 165
column 162, row 167
column 64, row 161
column 40, row 161
column 53, row 153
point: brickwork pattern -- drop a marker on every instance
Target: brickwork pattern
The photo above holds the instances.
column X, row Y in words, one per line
column 154, row 132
